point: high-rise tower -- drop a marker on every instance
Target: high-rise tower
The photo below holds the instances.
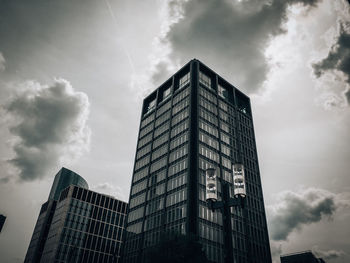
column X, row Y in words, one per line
column 194, row 121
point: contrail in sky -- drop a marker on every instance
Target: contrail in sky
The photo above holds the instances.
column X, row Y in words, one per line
column 121, row 44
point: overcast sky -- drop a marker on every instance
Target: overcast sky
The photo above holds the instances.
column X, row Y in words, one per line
column 73, row 75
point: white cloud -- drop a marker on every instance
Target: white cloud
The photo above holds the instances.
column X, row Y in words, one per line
column 48, row 124
column 110, row 189
column 327, row 254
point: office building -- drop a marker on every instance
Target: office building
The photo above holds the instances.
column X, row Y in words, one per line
column 77, row 225
column 2, row 221
column 62, row 180
column 301, row 257
column 195, row 121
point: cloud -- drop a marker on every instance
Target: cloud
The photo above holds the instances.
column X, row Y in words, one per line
column 110, row 189
column 2, row 62
column 338, row 58
column 276, row 251
column 296, row 209
column 327, row 254
column 49, row 124
column 230, row 36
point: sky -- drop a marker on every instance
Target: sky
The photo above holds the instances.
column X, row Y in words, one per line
column 73, row 75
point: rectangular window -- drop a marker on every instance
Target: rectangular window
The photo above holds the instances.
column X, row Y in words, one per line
column 162, row 139
column 210, row 154
column 176, row 197
column 207, row 95
column 225, row 150
column 137, row 200
column 158, row 164
column 208, row 140
column 225, row 138
column 177, row 167
column 163, row 108
column 142, row 162
column 136, row 214
column 208, row 106
column 208, row 128
column 177, row 181
column 163, row 118
column 147, row 120
column 208, row 116
column 178, row 141
column 223, row 93
column 143, row 151
column 160, row 152
column 146, row 130
column 179, row 128
column 140, row 174
column 184, row 80
column 144, row 140
column 180, row 96
column 179, row 117
column 139, row 187
column 205, row 80
column 178, row 153
column 183, row 104
column 161, row 129
column 224, row 127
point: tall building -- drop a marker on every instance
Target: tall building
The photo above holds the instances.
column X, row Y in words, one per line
column 77, row 225
column 195, row 121
column 301, row 257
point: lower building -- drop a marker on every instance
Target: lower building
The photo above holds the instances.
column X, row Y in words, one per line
column 86, row 227
column 77, row 225
column 301, row 257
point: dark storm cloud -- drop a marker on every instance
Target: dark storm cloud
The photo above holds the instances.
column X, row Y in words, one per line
column 230, row 36
column 338, row 58
column 295, row 210
column 327, row 254
column 48, row 123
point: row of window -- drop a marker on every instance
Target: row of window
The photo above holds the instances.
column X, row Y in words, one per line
column 208, row 105
column 146, row 130
column 207, row 214
column 211, row 233
column 161, row 129
column 99, row 199
column 209, row 117
column 178, row 153
column 147, row 120
column 180, row 106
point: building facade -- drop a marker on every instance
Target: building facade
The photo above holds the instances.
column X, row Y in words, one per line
column 194, row 121
column 62, row 180
column 86, row 227
column 76, row 224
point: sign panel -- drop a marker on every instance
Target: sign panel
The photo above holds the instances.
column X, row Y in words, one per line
column 211, row 184
column 239, row 186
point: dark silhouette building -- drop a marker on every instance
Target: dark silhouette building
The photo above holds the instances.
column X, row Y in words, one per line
column 2, row 221
column 194, row 121
column 301, row 257
column 77, row 225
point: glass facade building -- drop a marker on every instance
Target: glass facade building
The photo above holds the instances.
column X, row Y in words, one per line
column 63, row 179
column 194, row 121
column 86, row 227
column 77, row 225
